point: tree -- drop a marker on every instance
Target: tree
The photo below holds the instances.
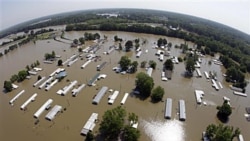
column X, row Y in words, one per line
column 97, row 36
column 112, row 123
column 190, row 66
column 39, row 77
column 128, row 45
column 116, row 38
column 59, row 62
column 75, row 41
column 13, row 78
column 53, row 54
column 144, row 83
column 152, row 64
column 81, row 40
column 134, row 65
column 120, row 46
column 37, row 63
column 80, row 49
column 124, row 62
column 168, row 64
column 224, row 111
column 157, row 94
column 130, row 134
column 7, row 86
column 221, row 133
column 28, row 68
column 143, row 64
column 22, row 75
column 89, row 136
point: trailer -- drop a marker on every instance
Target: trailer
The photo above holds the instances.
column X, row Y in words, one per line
column 39, row 81
column 72, row 62
column 53, row 112
column 100, row 67
column 124, row 98
column 90, row 124
column 46, row 82
column 161, row 57
column 149, row 71
column 92, row 81
column 31, row 99
column 16, row 97
column 42, row 108
column 206, row 75
column 100, row 94
column 198, row 72
column 85, row 64
column 113, row 97
column 199, row 95
column 51, row 85
column 71, row 85
column 214, row 84
column 76, row 91
column 182, row 110
column 168, row 108
column 138, row 54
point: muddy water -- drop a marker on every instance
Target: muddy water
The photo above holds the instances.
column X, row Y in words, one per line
column 19, row 125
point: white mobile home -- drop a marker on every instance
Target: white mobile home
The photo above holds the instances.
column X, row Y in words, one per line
column 168, row 108
column 182, row 110
column 42, row 108
column 16, row 97
column 39, row 81
column 161, row 57
column 214, row 84
column 113, row 97
column 51, row 85
column 32, row 98
column 206, row 75
column 76, row 91
column 44, row 83
column 85, row 64
column 90, row 124
column 124, row 98
column 149, row 71
column 53, row 112
column 138, row 54
column 199, row 94
column 198, row 73
column 99, row 95
column 71, row 85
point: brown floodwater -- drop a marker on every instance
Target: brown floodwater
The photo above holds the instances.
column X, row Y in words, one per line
column 19, row 125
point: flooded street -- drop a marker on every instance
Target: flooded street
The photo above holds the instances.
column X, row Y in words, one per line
column 20, row 125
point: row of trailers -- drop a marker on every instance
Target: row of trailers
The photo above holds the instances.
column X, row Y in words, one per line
column 46, row 106
column 168, row 109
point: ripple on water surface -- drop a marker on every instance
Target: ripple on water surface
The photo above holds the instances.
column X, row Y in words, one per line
column 169, row 130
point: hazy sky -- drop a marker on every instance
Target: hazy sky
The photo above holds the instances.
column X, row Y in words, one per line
column 235, row 13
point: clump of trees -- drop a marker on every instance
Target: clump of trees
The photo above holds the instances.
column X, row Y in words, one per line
column 49, row 56
column 59, row 62
column 127, row 65
column 168, row 65
column 114, row 123
column 157, row 94
column 116, row 38
column 91, row 36
column 128, row 45
column 144, row 84
column 152, row 64
column 7, row 86
column 224, row 111
column 221, row 133
column 161, row 42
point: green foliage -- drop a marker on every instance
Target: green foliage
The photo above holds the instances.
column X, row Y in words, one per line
column 120, row 46
column 89, row 136
column 190, row 66
column 221, row 133
column 143, row 64
column 75, row 41
column 124, row 62
column 81, row 40
column 152, row 64
column 22, row 75
column 161, row 42
column 79, row 49
column 180, row 59
column 7, row 86
column 112, row 123
column 168, row 65
column 224, row 111
column 90, row 36
column 128, row 45
column 39, row 77
column 59, row 62
column 134, row 66
column 49, row 56
column 144, row 83
column 130, row 134
column 14, row 78
column 116, row 38
column 157, row 94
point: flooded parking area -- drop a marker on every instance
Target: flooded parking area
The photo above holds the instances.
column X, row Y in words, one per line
column 17, row 124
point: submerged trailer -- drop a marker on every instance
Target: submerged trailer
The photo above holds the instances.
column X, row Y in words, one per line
column 100, row 67
column 44, row 83
column 198, row 73
column 182, row 110
column 39, row 81
column 199, row 94
column 90, row 124
column 99, row 96
column 76, row 91
column 124, row 98
column 113, row 97
column 149, row 71
column 206, row 75
column 16, row 97
column 53, row 112
column 51, row 85
column 85, row 64
column 72, row 62
column 42, row 108
column 214, row 84
column 92, row 81
column 71, row 85
column 31, row 99
column 138, row 54
column 168, row 108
